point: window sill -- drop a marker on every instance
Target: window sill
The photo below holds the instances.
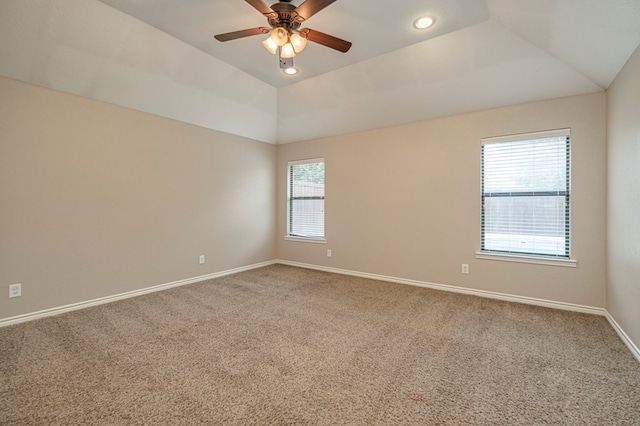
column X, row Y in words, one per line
column 538, row 260
column 306, row 239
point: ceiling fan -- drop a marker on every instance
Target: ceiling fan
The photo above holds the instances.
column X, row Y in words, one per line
column 286, row 37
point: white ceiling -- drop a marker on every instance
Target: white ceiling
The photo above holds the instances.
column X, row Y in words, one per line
column 160, row 56
column 372, row 29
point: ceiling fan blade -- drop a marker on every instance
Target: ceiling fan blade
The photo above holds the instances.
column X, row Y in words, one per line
column 327, row 40
column 261, row 6
column 242, row 33
column 310, row 7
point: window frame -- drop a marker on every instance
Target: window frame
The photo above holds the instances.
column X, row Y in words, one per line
column 301, row 238
column 537, row 258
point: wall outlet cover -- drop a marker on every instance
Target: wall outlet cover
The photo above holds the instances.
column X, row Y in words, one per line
column 15, row 290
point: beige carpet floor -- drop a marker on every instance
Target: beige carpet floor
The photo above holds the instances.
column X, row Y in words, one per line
column 282, row 345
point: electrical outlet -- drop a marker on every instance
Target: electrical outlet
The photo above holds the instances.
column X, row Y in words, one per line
column 201, row 259
column 15, row 290
column 329, row 253
column 465, row 268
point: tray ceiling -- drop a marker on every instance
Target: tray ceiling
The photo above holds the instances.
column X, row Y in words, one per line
column 160, row 56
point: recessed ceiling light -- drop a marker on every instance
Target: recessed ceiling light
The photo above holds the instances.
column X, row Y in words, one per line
column 290, row 71
column 424, row 22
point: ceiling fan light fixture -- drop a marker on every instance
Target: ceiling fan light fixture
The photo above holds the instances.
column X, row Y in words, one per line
column 279, row 36
column 424, row 22
column 298, row 42
column 270, row 45
column 285, row 37
column 287, row 51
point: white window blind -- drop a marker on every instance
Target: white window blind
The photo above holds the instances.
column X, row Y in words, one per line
column 526, row 194
column 306, row 199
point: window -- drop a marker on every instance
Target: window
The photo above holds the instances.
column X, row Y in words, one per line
column 306, row 199
column 526, row 194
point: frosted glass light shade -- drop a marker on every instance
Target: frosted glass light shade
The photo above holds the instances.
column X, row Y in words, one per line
column 287, row 51
column 299, row 42
column 270, row 45
column 280, row 36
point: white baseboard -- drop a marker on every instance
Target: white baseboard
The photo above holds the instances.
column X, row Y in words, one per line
column 626, row 339
column 100, row 301
column 488, row 294
column 455, row 289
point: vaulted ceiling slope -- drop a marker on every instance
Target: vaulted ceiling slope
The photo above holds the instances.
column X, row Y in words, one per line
column 159, row 56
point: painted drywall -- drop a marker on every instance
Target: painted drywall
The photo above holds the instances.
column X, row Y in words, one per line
column 88, row 48
column 480, row 67
column 623, row 226
column 404, row 201
column 98, row 199
column 594, row 37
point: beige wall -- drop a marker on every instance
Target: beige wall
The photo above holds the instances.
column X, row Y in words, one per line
column 96, row 199
column 405, row 201
column 623, row 260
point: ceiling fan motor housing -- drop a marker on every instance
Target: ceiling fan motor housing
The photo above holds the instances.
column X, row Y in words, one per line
column 283, row 16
